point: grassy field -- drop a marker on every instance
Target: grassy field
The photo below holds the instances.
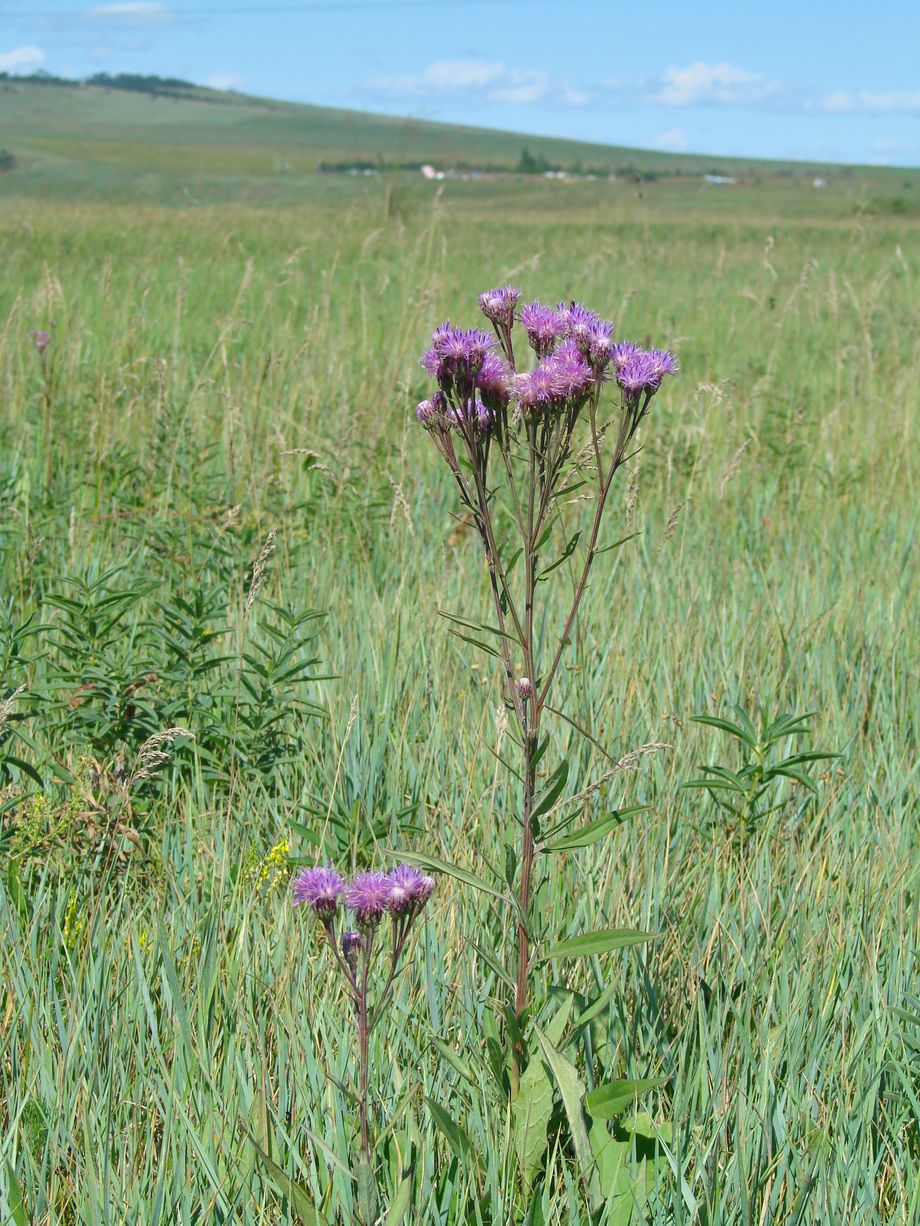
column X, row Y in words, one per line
column 220, row 372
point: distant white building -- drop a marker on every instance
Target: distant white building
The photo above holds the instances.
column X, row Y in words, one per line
column 718, row 179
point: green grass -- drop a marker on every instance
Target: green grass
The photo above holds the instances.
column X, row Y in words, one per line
column 158, row 1013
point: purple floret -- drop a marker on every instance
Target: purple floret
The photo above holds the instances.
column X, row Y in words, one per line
column 456, row 353
column 498, row 305
column 409, row 889
column 320, row 888
column 573, row 374
column 539, row 388
column 425, row 414
column 636, row 374
column 368, row 895
column 579, row 321
column 494, row 382
column 40, row 339
column 663, row 363
column 544, row 327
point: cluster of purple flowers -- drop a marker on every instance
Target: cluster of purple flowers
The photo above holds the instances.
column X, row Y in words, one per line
column 40, row 339
column 402, row 892
column 575, row 353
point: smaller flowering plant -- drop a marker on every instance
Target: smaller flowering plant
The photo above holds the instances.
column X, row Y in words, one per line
column 377, row 902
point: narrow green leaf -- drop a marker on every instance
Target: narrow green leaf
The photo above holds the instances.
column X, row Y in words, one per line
column 533, row 1105
column 451, row 870
column 550, row 793
column 401, row 1203
column 609, row 1100
column 459, row 1065
column 300, row 1202
column 455, row 1135
column 616, row 544
column 726, row 725
column 594, row 831
column 572, row 1090
column 15, row 1198
column 598, row 943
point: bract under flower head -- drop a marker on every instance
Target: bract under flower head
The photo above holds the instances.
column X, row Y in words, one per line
column 498, row 305
column 544, row 327
column 320, row 888
column 367, row 895
column 409, row 889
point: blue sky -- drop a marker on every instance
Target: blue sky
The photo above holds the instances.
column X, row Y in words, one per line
column 792, row 78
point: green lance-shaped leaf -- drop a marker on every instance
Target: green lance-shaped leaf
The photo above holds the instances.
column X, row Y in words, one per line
column 594, row 831
column 572, row 1091
column 533, row 1104
column 456, row 1136
column 401, row 1202
column 451, row 870
column 600, row 942
column 300, row 1202
column 611, row 1099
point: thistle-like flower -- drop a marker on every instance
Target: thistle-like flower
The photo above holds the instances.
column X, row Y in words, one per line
column 367, row 896
column 321, row 888
column 40, row 339
column 410, row 889
column 544, row 326
column 498, row 305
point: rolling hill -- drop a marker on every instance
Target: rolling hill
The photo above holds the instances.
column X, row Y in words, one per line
column 171, row 142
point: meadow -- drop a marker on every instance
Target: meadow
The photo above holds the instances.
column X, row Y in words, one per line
column 223, row 372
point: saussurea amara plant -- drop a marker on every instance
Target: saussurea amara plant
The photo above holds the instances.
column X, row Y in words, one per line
column 368, row 960
column 519, row 443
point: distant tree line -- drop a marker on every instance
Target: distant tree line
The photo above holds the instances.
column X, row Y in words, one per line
column 134, row 82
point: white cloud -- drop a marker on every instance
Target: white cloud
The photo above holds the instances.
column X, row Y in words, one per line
column 702, row 84
column 462, row 76
column 674, row 139
column 22, row 59
column 133, row 14
column 863, row 101
column 482, row 80
column 225, row 80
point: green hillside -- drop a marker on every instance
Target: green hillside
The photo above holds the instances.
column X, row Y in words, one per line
column 184, row 144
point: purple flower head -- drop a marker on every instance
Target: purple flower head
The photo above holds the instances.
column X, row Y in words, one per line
column 579, row 322
column 426, row 414
column 544, row 327
column 40, row 339
column 410, row 889
column 456, row 353
column 498, row 305
column 636, row 374
column 664, row 363
column 368, row 895
column 622, row 352
column 525, row 687
column 573, row 374
column 539, row 388
column 435, row 365
column 494, row 382
column 320, row 887
column 351, row 943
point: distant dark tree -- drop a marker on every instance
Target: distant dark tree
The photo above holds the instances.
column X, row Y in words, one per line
column 7, row 161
